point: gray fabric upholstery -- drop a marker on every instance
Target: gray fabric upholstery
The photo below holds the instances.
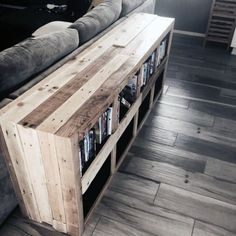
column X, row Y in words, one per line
column 97, row 19
column 8, row 199
column 20, row 62
column 129, row 5
column 147, row 7
column 51, row 27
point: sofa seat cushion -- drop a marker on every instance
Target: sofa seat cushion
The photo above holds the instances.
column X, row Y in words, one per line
column 19, row 63
column 8, row 200
column 51, row 27
column 128, row 6
column 98, row 19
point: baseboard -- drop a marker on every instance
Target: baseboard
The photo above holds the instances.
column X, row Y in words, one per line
column 189, row 33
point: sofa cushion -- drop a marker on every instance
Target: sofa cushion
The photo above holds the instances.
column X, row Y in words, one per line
column 97, row 19
column 128, row 6
column 8, row 200
column 147, row 7
column 20, row 62
column 51, row 27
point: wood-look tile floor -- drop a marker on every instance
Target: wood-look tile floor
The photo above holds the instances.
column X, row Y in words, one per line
column 179, row 178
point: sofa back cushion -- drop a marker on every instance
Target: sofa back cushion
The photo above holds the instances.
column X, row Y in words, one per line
column 129, row 5
column 51, row 27
column 98, row 19
column 24, row 60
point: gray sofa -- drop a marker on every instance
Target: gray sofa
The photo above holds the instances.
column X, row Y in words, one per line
column 28, row 62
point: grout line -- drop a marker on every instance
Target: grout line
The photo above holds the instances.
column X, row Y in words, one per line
column 204, row 100
column 174, row 144
column 194, row 221
column 96, row 225
column 156, row 195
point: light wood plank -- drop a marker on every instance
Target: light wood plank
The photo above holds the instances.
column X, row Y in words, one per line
column 53, row 180
column 68, row 160
column 18, row 170
column 197, row 206
column 35, row 169
column 64, row 112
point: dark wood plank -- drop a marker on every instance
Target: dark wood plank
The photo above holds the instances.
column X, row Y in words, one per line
column 173, row 101
column 225, row 127
column 160, row 153
column 190, row 129
column 199, row 92
column 201, row 229
column 221, row 170
column 172, row 175
column 107, row 227
column 132, row 185
column 91, row 225
column 197, row 206
column 193, row 116
column 158, row 135
column 204, row 147
column 143, row 216
column 219, row 110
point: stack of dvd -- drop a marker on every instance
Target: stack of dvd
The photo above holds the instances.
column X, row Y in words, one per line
column 94, row 139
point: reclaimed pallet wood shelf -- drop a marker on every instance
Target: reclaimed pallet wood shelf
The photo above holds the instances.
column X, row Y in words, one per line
column 42, row 129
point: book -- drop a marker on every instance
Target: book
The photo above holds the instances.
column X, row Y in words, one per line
column 109, row 121
column 86, row 147
column 132, row 83
column 92, row 144
column 158, row 59
column 82, row 154
column 152, row 65
column 124, row 102
column 80, row 163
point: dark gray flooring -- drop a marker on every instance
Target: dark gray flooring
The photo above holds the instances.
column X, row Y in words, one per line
column 179, row 178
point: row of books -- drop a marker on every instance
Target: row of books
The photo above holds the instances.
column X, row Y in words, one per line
column 148, row 68
column 128, row 96
column 94, row 138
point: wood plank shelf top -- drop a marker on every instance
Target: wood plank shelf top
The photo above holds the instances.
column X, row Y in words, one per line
column 42, row 129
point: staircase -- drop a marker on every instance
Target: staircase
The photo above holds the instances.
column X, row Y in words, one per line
column 222, row 22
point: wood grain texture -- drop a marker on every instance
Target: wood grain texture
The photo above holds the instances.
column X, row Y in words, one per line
column 189, row 128
column 164, row 154
column 169, row 174
column 43, row 127
column 208, row 148
column 129, row 210
column 107, row 227
column 221, row 169
column 135, row 186
column 197, row 206
column 201, row 228
column 196, row 117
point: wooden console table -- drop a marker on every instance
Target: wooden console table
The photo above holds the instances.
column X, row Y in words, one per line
column 41, row 131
